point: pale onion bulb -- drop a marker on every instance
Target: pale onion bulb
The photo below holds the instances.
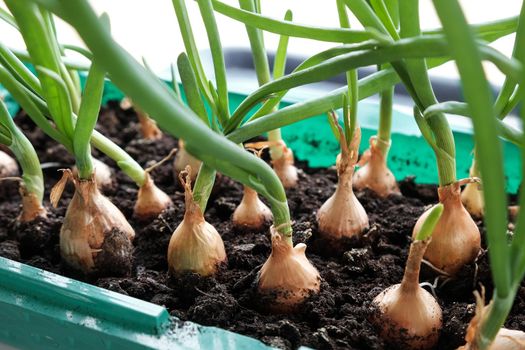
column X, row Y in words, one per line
column 95, row 237
column 195, row 245
column 342, row 215
column 375, row 174
column 407, row 315
column 252, row 213
column 506, row 339
column 151, row 201
column 284, row 167
column 287, row 277
column 8, row 166
column 456, row 240
column 184, row 159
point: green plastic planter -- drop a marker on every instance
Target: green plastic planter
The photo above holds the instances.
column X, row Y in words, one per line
column 42, row 310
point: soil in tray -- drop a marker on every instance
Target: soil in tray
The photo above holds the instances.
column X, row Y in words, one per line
column 336, row 318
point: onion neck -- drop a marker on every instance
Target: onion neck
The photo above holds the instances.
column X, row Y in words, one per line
column 410, row 282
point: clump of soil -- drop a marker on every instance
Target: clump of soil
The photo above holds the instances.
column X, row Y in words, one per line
column 337, row 318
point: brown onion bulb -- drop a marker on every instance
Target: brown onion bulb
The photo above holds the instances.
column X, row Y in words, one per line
column 375, row 174
column 252, row 213
column 342, row 215
column 284, row 167
column 456, row 240
column 184, row 159
column 8, row 165
column 287, row 277
column 95, row 237
column 151, row 201
column 407, row 315
column 195, row 245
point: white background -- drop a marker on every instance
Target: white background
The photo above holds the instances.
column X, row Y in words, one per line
column 149, row 28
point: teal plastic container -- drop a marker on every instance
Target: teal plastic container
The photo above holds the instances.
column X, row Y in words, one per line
column 42, row 310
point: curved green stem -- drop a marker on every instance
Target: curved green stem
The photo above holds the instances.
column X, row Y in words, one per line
column 151, row 95
column 25, row 153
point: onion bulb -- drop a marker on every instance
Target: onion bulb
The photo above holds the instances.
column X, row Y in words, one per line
column 287, row 277
column 252, row 213
column 375, row 174
column 406, row 314
column 151, row 201
column 183, row 159
column 342, row 215
column 31, row 206
column 195, row 245
column 506, row 339
column 284, row 166
column 456, row 240
column 95, row 237
column 8, row 166
column 472, row 196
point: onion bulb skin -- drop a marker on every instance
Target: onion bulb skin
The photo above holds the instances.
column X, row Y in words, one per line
column 195, row 245
column 8, row 165
column 151, row 201
column 375, row 174
column 287, row 278
column 456, row 240
column 95, row 237
column 184, row 159
column 342, row 215
column 407, row 315
column 252, row 213
column 284, row 167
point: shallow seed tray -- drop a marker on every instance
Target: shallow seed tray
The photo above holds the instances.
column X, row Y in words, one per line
column 43, row 310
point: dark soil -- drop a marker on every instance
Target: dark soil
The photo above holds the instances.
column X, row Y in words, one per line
column 352, row 276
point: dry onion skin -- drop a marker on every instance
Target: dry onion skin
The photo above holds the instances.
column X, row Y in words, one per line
column 407, row 315
column 506, row 339
column 8, row 165
column 456, row 240
column 184, row 159
column 252, row 213
column 195, row 245
column 95, row 237
column 342, row 215
column 284, row 166
column 287, row 278
column 375, row 174
column 151, row 201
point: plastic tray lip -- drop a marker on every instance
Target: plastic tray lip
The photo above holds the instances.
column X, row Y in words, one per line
column 80, row 297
